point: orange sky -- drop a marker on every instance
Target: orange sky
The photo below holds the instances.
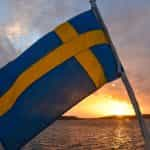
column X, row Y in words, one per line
column 106, row 101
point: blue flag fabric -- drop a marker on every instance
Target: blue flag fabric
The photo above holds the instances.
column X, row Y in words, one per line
column 52, row 76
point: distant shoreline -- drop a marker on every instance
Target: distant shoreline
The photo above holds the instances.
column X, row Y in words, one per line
column 146, row 116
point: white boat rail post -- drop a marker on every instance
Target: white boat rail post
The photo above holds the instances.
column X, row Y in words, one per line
column 125, row 80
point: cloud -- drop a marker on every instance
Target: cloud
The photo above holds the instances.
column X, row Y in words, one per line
column 128, row 23
column 7, row 51
column 36, row 17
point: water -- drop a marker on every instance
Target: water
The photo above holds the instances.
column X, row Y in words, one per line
column 89, row 135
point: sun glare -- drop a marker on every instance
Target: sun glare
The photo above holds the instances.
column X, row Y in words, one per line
column 119, row 108
column 102, row 105
column 113, row 107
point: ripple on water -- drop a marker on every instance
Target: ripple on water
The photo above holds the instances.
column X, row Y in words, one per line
column 89, row 135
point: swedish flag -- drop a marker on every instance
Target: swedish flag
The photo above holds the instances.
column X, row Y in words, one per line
column 53, row 75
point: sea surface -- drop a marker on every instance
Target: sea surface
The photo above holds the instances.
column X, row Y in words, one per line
column 104, row 134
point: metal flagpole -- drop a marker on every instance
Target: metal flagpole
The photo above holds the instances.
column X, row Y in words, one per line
column 125, row 80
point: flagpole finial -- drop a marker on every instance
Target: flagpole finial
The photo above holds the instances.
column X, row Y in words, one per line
column 93, row 2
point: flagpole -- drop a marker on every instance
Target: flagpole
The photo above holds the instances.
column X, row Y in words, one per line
column 125, row 80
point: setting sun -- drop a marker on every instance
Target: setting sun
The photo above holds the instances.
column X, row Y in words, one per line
column 119, row 108
column 102, row 105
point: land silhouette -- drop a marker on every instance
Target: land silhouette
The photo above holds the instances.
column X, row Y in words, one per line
column 146, row 116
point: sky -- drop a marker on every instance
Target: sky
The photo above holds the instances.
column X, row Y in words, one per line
column 23, row 22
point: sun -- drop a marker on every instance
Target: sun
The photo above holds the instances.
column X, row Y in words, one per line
column 113, row 107
column 120, row 108
column 102, row 105
column 110, row 106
